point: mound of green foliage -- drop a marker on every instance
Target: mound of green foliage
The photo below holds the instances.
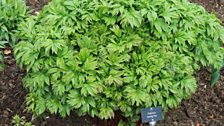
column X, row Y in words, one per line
column 100, row 56
column 12, row 12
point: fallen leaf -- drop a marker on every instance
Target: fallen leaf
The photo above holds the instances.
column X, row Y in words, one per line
column 7, row 52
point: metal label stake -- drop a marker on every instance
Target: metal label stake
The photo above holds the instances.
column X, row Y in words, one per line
column 152, row 123
column 151, row 115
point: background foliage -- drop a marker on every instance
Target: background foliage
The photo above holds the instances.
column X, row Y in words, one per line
column 12, row 12
column 100, row 56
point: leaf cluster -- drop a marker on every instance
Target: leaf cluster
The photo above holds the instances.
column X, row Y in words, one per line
column 100, row 56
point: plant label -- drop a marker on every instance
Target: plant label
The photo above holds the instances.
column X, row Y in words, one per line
column 151, row 114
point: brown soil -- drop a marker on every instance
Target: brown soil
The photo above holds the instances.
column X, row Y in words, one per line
column 36, row 5
column 204, row 108
column 12, row 94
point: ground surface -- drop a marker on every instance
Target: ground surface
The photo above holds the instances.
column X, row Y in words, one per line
column 204, row 108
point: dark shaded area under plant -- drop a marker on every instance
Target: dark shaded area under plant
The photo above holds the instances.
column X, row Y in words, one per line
column 207, row 102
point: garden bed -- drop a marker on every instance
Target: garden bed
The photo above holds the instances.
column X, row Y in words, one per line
column 204, row 108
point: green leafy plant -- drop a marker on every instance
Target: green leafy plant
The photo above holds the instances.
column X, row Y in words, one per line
column 20, row 121
column 12, row 12
column 1, row 61
column 100, row 56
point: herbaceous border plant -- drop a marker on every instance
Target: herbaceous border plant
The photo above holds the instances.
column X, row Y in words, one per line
column 96, row 57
